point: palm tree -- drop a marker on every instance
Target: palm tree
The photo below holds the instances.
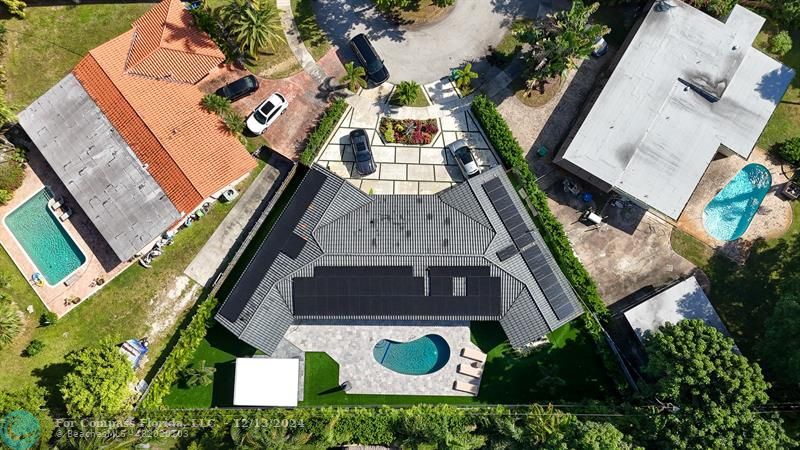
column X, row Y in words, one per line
column 464, row 77
column 253, row 24
column 406, row 93
column 274, row 438
column 234, row 122
column 202, row 375
column 10, row 322
column 216, row 104
column 354, row 77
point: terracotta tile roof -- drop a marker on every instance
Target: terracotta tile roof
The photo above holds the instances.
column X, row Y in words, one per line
column 188, row 150
column 165, row 44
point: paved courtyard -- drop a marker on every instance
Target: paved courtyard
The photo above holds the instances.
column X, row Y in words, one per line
column 406, row 169
column 351, row 347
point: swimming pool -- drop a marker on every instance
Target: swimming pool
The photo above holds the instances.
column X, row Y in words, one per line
column 729, row 213
column 44, row 239
column 418, row 357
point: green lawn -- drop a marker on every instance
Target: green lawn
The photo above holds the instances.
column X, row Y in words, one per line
column 275, row 63
column 569, row 370
column 785, row 121
column 313, row 37
column 421, row 99
column 124, row 308
column 52, row 39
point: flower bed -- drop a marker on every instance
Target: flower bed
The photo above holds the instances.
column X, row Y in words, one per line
column 408, row 131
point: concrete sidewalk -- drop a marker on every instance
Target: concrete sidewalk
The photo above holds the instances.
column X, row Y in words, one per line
column 215, row 253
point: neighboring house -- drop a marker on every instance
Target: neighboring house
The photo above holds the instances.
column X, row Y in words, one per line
column 339, row 256
column 125, row 133
column 686, row 88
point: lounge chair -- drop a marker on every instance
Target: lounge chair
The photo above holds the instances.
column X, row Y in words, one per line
column 56, row 203
column 470, row 370
column 469, row 388
column 66, row 215
column 475, row 355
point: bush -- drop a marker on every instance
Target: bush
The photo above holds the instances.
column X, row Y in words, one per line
column 317, row 138
column 408, row 131
column 216, row 104
column 48, row 318
column 180, row 356
column 11, row 175
column 789, row 150
column 233, row 122
column 15, row 7
column 5, row 196
column 781, row 43
column 405, row 93
column 33, row 348
column 552, row 231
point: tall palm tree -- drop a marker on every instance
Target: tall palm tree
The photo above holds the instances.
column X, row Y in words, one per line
column 202, row 375
column 254, row 25
column 355, row 76
column 10, row 322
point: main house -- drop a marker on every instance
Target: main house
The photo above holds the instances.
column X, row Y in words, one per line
column 686, row 88
column 126, row 134
column 339, row 256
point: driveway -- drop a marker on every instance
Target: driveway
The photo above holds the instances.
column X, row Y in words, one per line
column 425, row 53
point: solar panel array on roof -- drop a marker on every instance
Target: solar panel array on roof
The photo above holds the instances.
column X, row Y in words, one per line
column 507, row 252
column 508, row 213
column 362, row 292
column 293, row 246
column 548, row 281
column 274, row 244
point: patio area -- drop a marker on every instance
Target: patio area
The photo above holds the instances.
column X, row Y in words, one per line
column 351, row 346
column 101, row 262
column 772, row 220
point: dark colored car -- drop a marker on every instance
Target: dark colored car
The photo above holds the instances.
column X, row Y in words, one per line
column 368, row 57
column 365, row 164
column 239, row 88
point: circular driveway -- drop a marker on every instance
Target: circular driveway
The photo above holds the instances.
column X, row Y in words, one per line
column 426, row 53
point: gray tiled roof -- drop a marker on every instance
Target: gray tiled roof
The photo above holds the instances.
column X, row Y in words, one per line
column 107, row 180
column 345, row 227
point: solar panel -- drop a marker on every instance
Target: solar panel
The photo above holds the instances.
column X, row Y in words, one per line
column 548, row 281
column 328, row 271
column 458, row 271
column 524, row 239
column 507, row 252
column 293, row 246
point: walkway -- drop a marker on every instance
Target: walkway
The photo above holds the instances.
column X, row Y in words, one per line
column 296, row 44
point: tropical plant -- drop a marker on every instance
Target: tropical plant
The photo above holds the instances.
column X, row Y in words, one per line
column 97, row 382
column 48, row 318
column 202, row 375
column 15, row 7
column 10, row 322
column 354, row 77
column 714, row 388
column 5, row 196
column 255, row 25
column 780, row 43
column 406, row 93
column 34, row 347
column 789, row 150
column 254, row 437
column 464, row 77
column 233, row 122
column 216, row 104
column 557, row 44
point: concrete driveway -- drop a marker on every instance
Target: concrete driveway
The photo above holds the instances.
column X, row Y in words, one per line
column 425, row 53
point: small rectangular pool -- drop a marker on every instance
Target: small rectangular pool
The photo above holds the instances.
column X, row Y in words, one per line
column 44, row 239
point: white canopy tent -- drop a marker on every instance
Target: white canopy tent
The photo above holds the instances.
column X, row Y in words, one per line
column 266, row 382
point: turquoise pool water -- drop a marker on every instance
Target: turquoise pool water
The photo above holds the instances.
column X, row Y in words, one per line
column 418, row 357
column 729, row 213
column 44, row 239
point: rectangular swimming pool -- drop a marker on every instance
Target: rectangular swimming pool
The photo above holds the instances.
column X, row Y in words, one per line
column 44, row 239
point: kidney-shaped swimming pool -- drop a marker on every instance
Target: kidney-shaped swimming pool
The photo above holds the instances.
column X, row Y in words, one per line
column 729, row 213
column 418, row 357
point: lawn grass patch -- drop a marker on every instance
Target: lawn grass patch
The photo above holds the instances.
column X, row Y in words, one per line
column 508, row 48
column 420, row 12
column 785, row 121
column 51, row 40
column 315, row 40
column 419, row 101
column 121, row 310
column 690, row 248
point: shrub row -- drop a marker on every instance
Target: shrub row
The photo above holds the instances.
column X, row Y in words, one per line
column 553, row 232
column 180, row 356
column 316, row 139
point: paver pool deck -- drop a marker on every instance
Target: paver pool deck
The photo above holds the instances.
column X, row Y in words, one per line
column 351, row 346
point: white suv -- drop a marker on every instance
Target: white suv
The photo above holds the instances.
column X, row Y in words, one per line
column 266, row 113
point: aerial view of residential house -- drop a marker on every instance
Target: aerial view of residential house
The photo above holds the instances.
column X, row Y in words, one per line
column 687, row 88
column 468, row 253
column 126, row 135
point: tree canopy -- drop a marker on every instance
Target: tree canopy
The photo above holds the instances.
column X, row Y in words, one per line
column 97, row 383
column 714, row 389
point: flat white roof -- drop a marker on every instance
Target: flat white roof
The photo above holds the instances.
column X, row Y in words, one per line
column 685, row 300
column 266, row 382
column 655, row 128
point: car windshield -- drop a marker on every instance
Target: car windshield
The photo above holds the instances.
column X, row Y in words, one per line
column 260, row 118
column 464, row 155
column 374, row 65
column 362, row 156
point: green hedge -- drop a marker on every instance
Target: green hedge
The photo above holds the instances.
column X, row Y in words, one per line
column 323, row 130
column 553, row 232
column 180, row 355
